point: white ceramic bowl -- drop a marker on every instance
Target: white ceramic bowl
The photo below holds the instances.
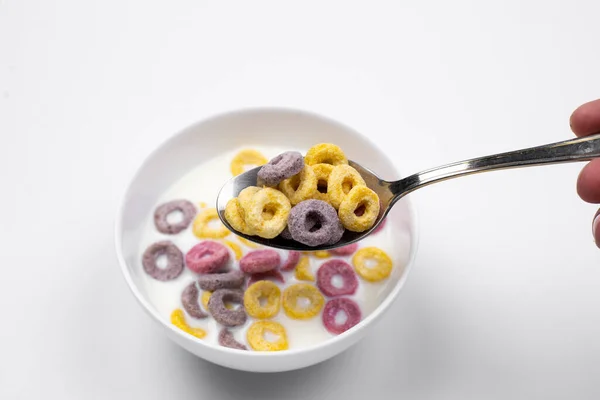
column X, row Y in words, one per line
column 263, row 126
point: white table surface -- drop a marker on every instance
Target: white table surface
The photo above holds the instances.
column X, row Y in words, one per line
column 504, row 299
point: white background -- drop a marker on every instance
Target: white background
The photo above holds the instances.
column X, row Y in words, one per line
column 504, row 299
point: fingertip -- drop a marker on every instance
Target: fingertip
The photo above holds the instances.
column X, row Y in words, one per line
column 588, row 182
column 585, row 120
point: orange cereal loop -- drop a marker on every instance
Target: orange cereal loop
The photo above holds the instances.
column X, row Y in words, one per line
column 206, row 297
column 256, row 336
column 266, row 290
column 359, row 198
column 325, row 153
column 293, row 293
column 237, row 250
column 234, row 214
column 267, row 213
column 341, row 181
column 322, row 172
column 203, row 230
column 381, row 269
column 246, row 157
column 300, row 187
column 303, row 272
column 178, row 319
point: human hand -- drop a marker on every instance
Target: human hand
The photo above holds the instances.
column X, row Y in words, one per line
column 585, row 121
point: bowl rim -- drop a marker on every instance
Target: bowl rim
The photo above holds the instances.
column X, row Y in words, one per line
column 355, row 330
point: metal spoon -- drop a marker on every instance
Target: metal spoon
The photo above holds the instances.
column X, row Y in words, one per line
column 389, row 192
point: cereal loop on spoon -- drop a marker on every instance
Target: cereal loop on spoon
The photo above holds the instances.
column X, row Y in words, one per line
column 283, row 166
column 341, row 181
column 358, row 199
column 235, row 215
column 325, row 153
column 265, row 202
column 322, row 172
column 246, row 157
column 256, row 336
column 300, row 187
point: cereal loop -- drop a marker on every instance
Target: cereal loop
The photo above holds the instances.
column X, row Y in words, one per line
column 292, row 260
column 163, row 211
column 222, row 314
column 206, row 297
column 246, row 157
column 226, row 280
column 321, row 254
column 263, row 276
column 358, row 198
column 178, row 319
column 226, row 339
column 325, row 153
column 303, row 272
column 315, row 222
column 344, row 250
column 341, row 180
column 237, row 250
column 256, row 336
column 203, row 230
column 174, row 261
column 262, row 289
column 207, row 257
column 345, row 306
column 267, row 201
column 283, row 166
column 246, row 195
column 331, row 269
column 379, row 271
column 235, row 215
column 300, row 187
column 189, row 300
column 293, row 293
column 322, row 172
column 260, row 261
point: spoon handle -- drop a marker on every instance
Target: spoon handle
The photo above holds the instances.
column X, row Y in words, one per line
column 581, row 149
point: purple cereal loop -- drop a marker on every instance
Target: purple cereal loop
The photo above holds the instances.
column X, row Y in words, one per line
column 292, row 260
column 227, row 280
column 226, row 339
column 265, row 276
column 223, row 315
column 286, row 234
column 174, row 261
column 344, row 250
column 349, row 307
column 260, row 261
column 162, row 212
column 315, row 222
column 189, row 300
column 207, row 257
column 332, row 268
column 283, row 166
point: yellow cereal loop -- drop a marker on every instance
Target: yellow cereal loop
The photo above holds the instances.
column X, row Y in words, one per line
column 246, row 194
column 300, row 187
column 178, row 319
column 246, row 157
column 321, row 254
column 322, row 172
column 256, row 336
column 234, row 214
column 248, row 243
column 303, row 272
column 202, row 204
column 206, row 296
column 325, row 153
column 293, row 293
column 265, row 202
column 341, row 180
column 382, row 264
column 360, row 197
column 237, row 250
column 203, row 230
column 267, row 290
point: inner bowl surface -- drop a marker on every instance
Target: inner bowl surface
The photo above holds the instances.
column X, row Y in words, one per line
column 283, row 128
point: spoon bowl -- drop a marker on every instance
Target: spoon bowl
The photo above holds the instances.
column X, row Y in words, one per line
column 389, row 192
